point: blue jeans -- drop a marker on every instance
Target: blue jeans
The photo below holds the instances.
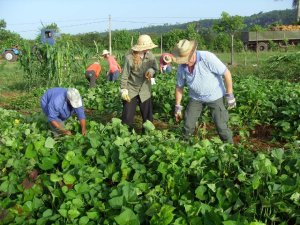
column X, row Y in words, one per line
column 113, row 76
column 168, row 69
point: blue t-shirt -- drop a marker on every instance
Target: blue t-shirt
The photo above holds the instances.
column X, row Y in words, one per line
column 205, row 83
column 55, row 105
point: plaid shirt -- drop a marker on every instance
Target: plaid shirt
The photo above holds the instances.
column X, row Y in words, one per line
column 205, row 83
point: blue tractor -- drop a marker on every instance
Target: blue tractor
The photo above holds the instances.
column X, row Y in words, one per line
column 48, row 36
column 11, row 54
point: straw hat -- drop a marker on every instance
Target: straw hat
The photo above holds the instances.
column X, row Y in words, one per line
column 184, row 50
column 105, row 52
column 144, row 43
column 167, row 59
column 74, row 97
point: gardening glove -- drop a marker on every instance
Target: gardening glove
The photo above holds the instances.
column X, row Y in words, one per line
column 178, row 114
column 153, row 81
column 124, row 95
column 150, row 73
column 231, row 103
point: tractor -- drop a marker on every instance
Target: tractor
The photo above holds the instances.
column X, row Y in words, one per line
column 11, row 54
column 48, row 36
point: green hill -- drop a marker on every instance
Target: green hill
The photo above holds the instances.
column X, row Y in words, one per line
column 263, row 19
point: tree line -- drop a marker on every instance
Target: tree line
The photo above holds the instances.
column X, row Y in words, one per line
column 210, row 34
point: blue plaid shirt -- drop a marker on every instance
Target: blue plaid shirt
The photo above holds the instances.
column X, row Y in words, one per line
column 205, row 83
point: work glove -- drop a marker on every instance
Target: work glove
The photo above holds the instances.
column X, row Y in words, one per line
column 153, row 81
column 150, row 73
column 124, row 95
column 231, row 103
column 178, row 114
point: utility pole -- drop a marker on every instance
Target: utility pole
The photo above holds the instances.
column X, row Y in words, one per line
column 109, row 34
column 161, row 44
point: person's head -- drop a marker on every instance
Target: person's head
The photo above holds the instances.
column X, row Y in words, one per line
column 105, row 53
column 74, row 97
column 96, row 63
column 184, row 52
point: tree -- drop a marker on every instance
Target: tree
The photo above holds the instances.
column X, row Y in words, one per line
column 2, row 24
column 171, row 38
column 191, row 33
column 8, row 38
column 230, row 25
column 296, row 5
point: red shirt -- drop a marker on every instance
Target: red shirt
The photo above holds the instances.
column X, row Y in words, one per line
column 95, row 67
column 113, row 65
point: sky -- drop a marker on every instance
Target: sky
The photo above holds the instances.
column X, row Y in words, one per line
column 27, row 17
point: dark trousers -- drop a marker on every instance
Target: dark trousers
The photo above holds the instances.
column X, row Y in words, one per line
column 91, row 77
column 129, row 109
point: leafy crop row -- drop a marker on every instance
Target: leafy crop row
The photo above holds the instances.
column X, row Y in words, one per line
column 274, row 103
column 113, row 176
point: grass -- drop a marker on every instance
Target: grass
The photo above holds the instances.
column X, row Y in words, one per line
column 12, row 89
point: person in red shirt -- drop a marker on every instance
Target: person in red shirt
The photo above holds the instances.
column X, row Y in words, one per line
column 114, row 68
column 92, row 73
column 165, row 63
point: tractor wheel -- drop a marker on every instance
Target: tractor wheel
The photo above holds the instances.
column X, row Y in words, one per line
column 10, row 56
column 262, row 46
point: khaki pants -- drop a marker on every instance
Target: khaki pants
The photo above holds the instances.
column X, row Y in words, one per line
column 219, row 114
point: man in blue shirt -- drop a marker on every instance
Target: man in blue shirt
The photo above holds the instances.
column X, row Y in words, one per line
column 204, row 75
column 59, row 104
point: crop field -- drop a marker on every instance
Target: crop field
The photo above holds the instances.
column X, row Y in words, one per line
column 114, row 176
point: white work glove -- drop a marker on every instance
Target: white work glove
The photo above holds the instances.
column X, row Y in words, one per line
column 124, row 95
column 231, row 103
column 150, row 73
column 153, row 81
column 178, row 114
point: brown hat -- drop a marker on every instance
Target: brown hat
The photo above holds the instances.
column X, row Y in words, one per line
column 184, row 50
column 144, row 43
column 167, row 59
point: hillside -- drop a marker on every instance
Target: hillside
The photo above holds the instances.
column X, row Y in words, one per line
column 263, row 18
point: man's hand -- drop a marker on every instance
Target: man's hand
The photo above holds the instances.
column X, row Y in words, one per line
column 67, row 132
column 149, row 74
column 178, row 114
column 230, row 101
column 124, row 95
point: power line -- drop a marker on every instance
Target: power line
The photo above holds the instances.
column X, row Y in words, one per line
column 105, row 20
column 72, row 25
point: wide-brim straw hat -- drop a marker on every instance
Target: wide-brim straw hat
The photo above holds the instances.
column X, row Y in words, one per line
column 184, row 50
column 105, row 52
column 74, row 97
column 167, row 59
column 144, row 43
